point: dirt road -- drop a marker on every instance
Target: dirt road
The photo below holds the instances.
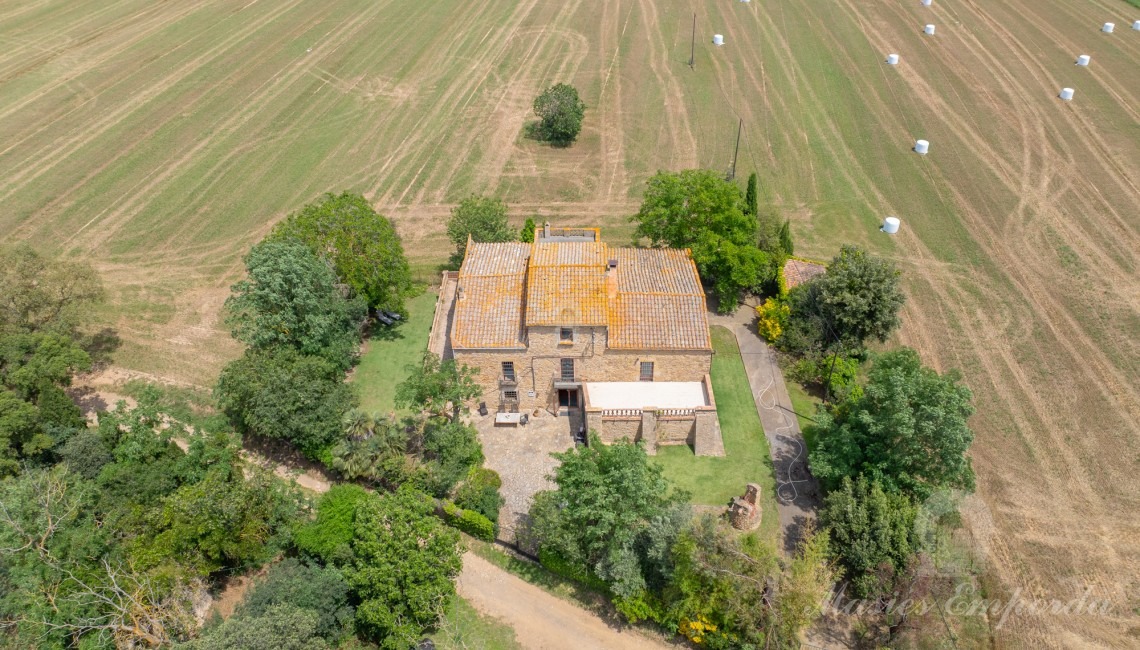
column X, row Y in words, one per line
column 541, row 621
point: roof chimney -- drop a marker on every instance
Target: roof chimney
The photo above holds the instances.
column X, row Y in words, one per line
column 546, row 230
column 611, row 280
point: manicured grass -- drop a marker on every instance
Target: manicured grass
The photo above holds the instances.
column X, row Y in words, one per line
column 714, row 481
column 389, row 350
column 464, row 627
column 804, row 404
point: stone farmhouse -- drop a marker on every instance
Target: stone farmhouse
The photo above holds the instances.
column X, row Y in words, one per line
column 618, row 337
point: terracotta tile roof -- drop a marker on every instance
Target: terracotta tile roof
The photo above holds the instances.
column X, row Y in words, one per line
column 653, row 302
column 489, row 300
column 797, row 272
column 656, row 270
column 660, row 304
column 566, row 284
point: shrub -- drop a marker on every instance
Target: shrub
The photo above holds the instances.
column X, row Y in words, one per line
column 281, row 627
column 558, row 565
column 469, row 521
column 773, row 317
column 331, row 534
column 813, row 370
column 640, row 607
column 480, row 492
column 452, row 448
column 323, row 591
column 86, row 454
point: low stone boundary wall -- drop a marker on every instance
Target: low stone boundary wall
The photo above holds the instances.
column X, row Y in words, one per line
column 655, row 426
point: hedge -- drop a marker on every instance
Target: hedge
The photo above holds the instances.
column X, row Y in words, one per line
column 468, row 521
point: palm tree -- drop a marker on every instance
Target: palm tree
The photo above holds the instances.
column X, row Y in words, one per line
column 359, row 424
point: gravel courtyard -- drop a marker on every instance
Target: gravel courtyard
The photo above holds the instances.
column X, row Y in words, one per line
column 521, row 456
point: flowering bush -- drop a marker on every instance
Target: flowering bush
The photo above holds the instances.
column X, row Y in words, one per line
column 773, row 315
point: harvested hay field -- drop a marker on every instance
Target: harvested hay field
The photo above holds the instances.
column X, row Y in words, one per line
column 159, row 140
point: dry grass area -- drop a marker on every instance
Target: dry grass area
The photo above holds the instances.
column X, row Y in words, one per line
column 159, row 140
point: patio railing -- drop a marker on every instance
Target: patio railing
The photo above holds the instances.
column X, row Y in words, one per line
column 621, row 413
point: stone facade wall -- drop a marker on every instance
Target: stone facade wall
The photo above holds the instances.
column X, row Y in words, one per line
column 613, row 430
column 675, row 430
column 668, row 365
column 539, row 365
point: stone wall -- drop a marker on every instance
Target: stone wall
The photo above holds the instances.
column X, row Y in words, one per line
column 675, row 430
column 701, row 429
column 539, row 364
column 668, row 365
column 613, row 430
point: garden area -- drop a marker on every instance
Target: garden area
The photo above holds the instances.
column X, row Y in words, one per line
column 714, row 480
column 387, row 352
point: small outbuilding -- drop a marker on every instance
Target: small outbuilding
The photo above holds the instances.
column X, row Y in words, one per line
column 797, row 272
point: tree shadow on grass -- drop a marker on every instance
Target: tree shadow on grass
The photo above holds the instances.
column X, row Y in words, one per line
column 101, row 345
column 88, row 400
column 533, row 130
column 378, row 331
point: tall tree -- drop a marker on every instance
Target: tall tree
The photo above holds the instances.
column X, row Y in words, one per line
column 482, row 218
column 785, row 237
column 699, row 210
column 404, row 563
column 907, row 430
column 286, row 396
column 872, row 530
column 291, row 300
column 31, row 362
column 222, row 520
column 526, row 235
column 560, row 112
column 362, row 246
column 38, row 293
column 440, row 388
column 859, row 298
column 612, row 506
column 752, row 195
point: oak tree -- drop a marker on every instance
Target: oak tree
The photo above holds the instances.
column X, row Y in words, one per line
column 362, row 246
column 907, row 430
column 560, row 112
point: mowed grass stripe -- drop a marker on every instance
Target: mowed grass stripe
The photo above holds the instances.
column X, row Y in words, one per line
column 713, row 481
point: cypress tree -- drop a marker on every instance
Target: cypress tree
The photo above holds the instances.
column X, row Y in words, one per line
column 786, row 238
column 751, row 196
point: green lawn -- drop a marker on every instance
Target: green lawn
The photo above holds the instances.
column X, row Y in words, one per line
column 389, row 350
column 714, row 481
column 804, row 404
column 463, row 627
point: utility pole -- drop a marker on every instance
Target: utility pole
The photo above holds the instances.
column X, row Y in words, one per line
column 739, row 128
column 693, row 45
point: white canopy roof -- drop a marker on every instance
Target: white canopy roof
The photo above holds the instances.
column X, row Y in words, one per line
column 640, row 394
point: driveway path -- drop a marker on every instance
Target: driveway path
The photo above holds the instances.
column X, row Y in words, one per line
column 797, row 493
column 540, row 620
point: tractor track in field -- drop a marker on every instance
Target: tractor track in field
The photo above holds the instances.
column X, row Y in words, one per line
column 1023, row 274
